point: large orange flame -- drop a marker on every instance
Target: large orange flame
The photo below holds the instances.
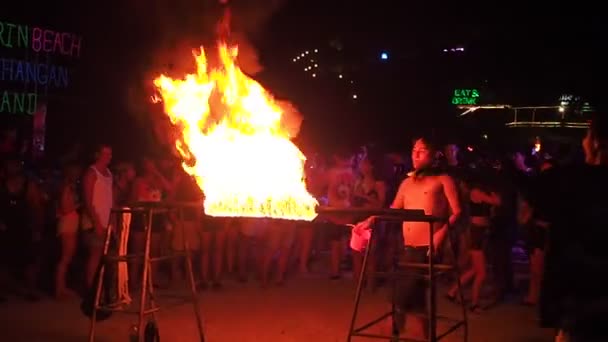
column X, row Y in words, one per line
column 237, row 148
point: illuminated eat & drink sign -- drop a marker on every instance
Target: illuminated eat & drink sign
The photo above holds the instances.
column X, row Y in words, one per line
column 465, row 97
column 26, row 66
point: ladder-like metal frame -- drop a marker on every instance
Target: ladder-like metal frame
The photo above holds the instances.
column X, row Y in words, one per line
column 147, row 290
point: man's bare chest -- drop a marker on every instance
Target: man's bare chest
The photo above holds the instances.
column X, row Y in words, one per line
column 420, row 193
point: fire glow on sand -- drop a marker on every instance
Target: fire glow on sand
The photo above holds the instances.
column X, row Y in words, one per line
column 235, row 139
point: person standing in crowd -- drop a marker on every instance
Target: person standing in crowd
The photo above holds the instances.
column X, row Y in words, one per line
column 67, row 226
column 535, row 231
column 454, row 169
column 8, row 143
column 573, row 199
column 369, row 193
column 451, row 152
column 315, row 169
column 279, row 238
column 186, row 223
column 147, row 187
column 21, row 220
column 482, row 203
column 430, row 189
column 125, row 176
column 502, row 236
column 98, row 201
column 213, row 241
column 340, row 180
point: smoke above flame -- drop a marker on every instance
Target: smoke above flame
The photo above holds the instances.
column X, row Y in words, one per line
column 176, row 27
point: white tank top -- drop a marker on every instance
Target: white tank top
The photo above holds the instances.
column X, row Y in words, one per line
column 102, row 198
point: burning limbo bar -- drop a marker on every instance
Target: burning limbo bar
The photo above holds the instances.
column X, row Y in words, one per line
column 323, row 213
column 412, row 215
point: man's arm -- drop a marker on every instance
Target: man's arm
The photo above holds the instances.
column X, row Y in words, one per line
column 451, row 194
column 450, row 190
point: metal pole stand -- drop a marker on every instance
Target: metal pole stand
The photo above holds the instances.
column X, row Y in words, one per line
column 147, row 331
column 431, row 271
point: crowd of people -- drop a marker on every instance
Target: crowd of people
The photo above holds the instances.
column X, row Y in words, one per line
column 489, row 206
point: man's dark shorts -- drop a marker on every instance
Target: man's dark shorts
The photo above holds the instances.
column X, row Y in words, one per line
column 410, row 289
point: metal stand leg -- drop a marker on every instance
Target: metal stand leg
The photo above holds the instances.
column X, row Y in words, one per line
column 145, row 282
column 188, row 256
column 395, row 328
column 432, row 318
column 99, row 285
column 460, row 288
column 147, row 305
column 360, row 286
column 151, row 299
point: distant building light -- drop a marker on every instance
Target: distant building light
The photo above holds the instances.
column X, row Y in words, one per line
column 384, row 56
column 562, row 109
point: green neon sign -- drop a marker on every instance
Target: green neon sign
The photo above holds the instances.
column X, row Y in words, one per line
column 465, row 97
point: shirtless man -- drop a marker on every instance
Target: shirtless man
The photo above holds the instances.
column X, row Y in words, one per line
column 437, row 194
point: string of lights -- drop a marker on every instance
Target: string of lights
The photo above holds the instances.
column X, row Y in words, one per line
column 312, row 62
column 310, row 59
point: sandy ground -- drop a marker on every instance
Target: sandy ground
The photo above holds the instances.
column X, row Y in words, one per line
column 312, row 308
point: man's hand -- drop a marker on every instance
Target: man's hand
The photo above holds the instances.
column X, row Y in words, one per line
column 438, row 238
column 364, row 225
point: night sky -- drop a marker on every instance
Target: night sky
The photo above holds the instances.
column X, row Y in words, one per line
column 521, row 55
